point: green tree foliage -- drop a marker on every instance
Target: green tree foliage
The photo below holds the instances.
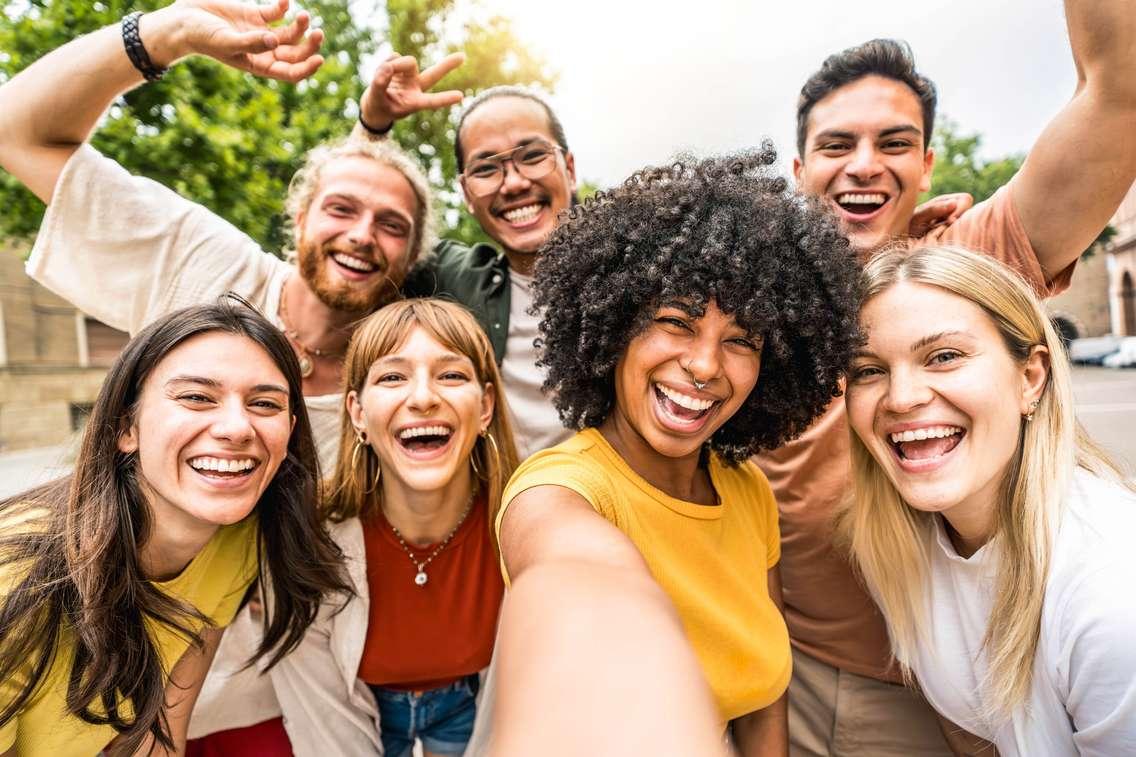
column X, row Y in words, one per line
column 218, row 136
column 429, row 30
column 959, row 169
column 232, row 141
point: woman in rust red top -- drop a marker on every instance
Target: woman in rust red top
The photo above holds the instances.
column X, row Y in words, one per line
column 426, row 450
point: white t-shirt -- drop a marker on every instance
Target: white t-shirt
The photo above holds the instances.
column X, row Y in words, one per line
column 1083, row 695
column 536, row 424
column 127, row 250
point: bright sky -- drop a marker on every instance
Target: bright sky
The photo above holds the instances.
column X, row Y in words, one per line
column 641, row 80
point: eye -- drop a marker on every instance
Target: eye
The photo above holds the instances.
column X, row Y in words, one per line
column 267, row 404
column 339, row 209
column 482, row 170
column 389, row 378
column 944, row 357
column 395, row 229
column 747, row 343
column 534, row 155
column 833, row 147
column 456, row 376
column 196, row 398
column 897, row 145
column 863, row 372
column 673, row 321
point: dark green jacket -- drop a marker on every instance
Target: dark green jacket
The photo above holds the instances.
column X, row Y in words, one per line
column 477, row 277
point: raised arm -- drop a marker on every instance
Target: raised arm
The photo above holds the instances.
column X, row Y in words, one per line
column 1085, row 161
column 591, row 654
column 51, row 107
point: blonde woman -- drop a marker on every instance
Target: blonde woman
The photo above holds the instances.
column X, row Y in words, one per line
column 993, row 534
column 427, row 448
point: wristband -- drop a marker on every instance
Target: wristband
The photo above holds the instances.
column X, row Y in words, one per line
column 136, row 51
column 372, row 130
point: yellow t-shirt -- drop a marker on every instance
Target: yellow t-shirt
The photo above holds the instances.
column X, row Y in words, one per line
column 214, row 582
column 713, row 561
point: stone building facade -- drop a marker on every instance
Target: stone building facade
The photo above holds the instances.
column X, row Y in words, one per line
column 52, row 359
column 1122, row 268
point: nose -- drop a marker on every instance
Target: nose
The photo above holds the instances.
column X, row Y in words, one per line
column 361, row 233
column 232, row 423
column 513, row 182
column 864, row 163
column 703, row 360
column 906, row 391
column 422, row 394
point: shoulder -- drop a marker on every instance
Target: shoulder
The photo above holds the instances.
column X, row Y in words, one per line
column 575, row 459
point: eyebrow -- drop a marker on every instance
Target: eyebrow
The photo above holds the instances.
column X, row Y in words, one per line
column 483, row 154
column 888, row 132
column 932, row 338
column 399, row 360
column 215, row 384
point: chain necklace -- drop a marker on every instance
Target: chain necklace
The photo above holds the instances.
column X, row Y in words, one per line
column 421, row 578
column 305, row 352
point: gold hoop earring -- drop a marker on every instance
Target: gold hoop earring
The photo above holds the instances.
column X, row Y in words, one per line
column 360, row 444
column 477, row 471
column 496, row 449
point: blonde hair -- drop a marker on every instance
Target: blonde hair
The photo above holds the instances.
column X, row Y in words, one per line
column 887, row 538
column 302, row 188
column 350, row 492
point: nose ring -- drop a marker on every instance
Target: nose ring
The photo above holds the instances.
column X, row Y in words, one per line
column 699, row 385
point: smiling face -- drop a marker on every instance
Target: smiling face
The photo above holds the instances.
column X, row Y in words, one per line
column 210, row 429
column 658, row 406
column 354, row 238
column 938, row 400
column 522, row 213
column 864, row 154
column 422, row 408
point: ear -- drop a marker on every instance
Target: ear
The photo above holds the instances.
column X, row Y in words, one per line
column 798, row 172
column 1035, row 374
column 488, row 403
column 355, row 411
column 928, row 169
column 465, row 195
column 128, row 440
column 570, row 168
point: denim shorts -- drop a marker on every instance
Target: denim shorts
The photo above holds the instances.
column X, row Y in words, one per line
column 442, row 718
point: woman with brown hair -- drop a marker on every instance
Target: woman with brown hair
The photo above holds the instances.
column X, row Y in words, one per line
column 197, row 472
column 427, row 448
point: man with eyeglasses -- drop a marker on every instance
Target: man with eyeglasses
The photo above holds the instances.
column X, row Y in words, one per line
column 517, row 175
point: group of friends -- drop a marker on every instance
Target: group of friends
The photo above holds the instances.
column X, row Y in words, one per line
column 705, row 464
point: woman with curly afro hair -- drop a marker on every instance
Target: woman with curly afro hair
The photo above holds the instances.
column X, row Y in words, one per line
column 693, row 316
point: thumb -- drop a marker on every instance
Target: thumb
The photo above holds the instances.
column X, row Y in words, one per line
column 224, row 42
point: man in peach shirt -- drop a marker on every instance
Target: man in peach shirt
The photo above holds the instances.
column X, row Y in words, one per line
column 864, row 126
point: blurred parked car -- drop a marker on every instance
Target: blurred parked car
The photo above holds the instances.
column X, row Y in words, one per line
column 1125, row 355
column 1093, row 350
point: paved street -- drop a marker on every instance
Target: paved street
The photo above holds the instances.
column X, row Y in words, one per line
column 1106, row 405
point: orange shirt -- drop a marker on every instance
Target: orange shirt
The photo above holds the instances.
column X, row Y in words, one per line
column 423, row 637
column 830, row 615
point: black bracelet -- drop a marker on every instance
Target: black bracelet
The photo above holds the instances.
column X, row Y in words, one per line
column 372, row 130
column 136, row 51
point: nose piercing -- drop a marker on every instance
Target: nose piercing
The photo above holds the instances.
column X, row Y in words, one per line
column 699, row 385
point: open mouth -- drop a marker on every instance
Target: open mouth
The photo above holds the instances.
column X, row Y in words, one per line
column 681, row 410
column 222, row 469
column 420, row 439
column 523, row 216
column 354, row 265
column 861, row 204
column 926, row 443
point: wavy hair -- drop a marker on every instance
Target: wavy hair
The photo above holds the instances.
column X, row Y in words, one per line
column 887, row 538
column 353, row 493
column 78, row 548
column 724, row 228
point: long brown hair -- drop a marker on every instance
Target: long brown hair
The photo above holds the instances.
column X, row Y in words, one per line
column 351, row 492
column 78, row 553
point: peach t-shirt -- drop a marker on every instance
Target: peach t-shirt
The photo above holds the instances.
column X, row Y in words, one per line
column 830, row 615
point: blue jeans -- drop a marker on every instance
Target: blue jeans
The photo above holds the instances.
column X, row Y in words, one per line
column 442, row 718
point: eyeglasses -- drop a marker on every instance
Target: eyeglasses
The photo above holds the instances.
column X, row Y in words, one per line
column 534, row 160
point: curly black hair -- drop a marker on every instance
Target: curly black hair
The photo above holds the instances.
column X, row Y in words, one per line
column 724, row 228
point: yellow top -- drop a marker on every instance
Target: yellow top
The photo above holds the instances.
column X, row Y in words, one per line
column 214, row 582
column 712, row 561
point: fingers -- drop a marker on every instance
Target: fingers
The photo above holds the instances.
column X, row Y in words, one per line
column 403, row 64
column 441, row 99
column 431, row 75
column 270, row 12
column 301, row 52
column 289, row 72
column 291, row 33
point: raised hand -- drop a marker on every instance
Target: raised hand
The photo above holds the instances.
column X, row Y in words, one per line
column 238, row 34
column 399, row 89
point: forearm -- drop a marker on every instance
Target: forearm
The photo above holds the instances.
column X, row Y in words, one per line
column 51, row 107
column 1102, row 34
column 764, row 732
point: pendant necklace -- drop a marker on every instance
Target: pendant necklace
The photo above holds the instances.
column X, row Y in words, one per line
column 421, row 578
column 303, row 352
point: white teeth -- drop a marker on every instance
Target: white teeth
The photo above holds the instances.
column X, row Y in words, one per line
column 520, row 215
column 862, row 198
column 221, row 465
column 690, row 403
column 931, row 432
column 355, row 264
column 410, row 433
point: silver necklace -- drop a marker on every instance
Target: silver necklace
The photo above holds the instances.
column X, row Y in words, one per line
column 421, row 578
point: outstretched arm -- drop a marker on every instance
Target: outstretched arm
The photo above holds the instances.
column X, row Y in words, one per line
column 1085, row 161
column 51, row 107
column 399, row 89
column 591, row 656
